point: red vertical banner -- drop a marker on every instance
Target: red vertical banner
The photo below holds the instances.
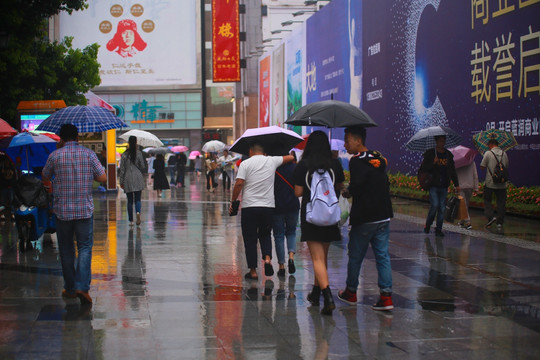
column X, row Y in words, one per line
column 225, row 41
column 264, row 92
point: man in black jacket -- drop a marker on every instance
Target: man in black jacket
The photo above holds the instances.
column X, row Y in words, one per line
column 369, row 218
column 439, row 162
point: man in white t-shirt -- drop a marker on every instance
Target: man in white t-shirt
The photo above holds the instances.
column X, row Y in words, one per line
column 255, row 180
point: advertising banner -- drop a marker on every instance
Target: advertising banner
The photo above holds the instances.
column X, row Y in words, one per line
column 225, row 41
column 278, row 103
column 142, row 42
column 264, row 91
column 334, row 58
column 469, row 65
column 295, row 62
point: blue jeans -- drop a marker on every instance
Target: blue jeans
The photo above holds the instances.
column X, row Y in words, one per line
column 437, row 199
column 360, row 237
column 130, row 196
column 172, row 172
column 284, row 225
column 77, row 272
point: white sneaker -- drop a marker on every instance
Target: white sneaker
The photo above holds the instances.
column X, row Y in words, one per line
column 499, row 227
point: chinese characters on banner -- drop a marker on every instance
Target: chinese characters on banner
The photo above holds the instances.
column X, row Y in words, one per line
column 264, row 92
column 225, row 41
column 499, row 64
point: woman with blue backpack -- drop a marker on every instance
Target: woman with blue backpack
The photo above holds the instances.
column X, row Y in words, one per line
column 317, row 159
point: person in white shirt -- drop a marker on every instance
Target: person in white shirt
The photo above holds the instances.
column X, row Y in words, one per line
column 226, row 163
column 255, row 181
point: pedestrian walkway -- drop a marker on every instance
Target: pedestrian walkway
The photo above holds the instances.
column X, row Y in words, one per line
column 173, row 288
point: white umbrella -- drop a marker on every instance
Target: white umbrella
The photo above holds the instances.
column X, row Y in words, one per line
column 213, row 146
column 144, row 138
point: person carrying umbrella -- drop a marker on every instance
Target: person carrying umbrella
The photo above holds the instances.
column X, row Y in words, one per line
column 132, row 169
column 226, row 163
column 318, row 155
column 369, row 218
column 490, row 161
column 440, row 163
column 74, row 209
column 255, row 181
column 467, row 177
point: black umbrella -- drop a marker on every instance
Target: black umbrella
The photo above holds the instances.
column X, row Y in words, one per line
column 275, row 140
column 330, row 113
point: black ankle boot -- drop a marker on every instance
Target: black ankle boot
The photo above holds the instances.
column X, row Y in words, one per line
column 329, row 304
column 314, row 295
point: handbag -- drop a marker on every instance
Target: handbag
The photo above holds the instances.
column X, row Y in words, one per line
column 463, row 212
column 452, row 206
column 425, row 179
column 345, row 207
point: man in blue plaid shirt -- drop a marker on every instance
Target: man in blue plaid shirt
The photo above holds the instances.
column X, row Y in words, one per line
column 72, row 169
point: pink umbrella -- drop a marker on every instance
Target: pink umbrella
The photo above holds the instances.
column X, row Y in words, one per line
column 194, row 154
column 179, row 148
column 463, row 156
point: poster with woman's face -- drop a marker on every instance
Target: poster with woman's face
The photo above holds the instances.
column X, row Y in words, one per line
column 142, row 42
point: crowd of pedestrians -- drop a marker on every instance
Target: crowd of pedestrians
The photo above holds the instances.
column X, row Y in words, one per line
column 269, row 188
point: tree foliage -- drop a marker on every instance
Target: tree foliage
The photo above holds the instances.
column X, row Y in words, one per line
column 31, row 67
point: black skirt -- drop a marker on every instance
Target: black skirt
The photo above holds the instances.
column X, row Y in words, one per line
column 160, row 180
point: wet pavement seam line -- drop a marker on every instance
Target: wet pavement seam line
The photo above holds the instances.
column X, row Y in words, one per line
column 454, row 228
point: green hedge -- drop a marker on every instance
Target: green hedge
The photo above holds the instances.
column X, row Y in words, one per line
column 520, row 200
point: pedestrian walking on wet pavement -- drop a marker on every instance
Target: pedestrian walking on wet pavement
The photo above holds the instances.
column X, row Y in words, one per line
column 440, row 163
column 285, row 217
column 210, row 165
column 160, row 178
column 255, row 181
column 181, row 161
column 468, row 183
column 226, row 163
column 317, row 155
column 490, row 161
column 369, row 218
column 132, row 178
column 72, row 169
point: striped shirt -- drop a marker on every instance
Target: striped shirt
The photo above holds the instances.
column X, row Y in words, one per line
column 72, row 169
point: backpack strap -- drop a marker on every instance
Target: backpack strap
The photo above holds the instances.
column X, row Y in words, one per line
column 498, row 162
column 282, row 177
column 330, row 171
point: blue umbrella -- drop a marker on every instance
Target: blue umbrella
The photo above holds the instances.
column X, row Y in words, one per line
column 87, row 119
column 32, row 147
column 425, row 138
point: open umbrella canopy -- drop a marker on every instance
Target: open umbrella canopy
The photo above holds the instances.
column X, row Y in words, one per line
column 85, row 118
column 46, row 133
column 505, row 139
column 213, row 146
column 6, row 130
column 179, row 148
column 425, row 138
column 275, row 140
column 463, row 156
column 194, row 154
column 332, row 114
column 144, row 138
column 32, row 149
column 158, row 150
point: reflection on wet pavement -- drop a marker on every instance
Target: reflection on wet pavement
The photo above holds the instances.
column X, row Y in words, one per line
column 173, row 288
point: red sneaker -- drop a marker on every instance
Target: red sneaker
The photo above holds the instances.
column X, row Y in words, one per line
column 347, row 296
column 384, row 303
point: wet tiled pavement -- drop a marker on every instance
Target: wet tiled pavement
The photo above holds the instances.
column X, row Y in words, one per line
column 174, row 289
